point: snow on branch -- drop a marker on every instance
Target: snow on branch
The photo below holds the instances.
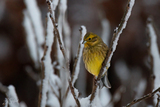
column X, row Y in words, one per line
column 76, row 66
column 158, row 100
column 5, row 104
column 10, row 94
column 34, row 30
column 143, row 98
column 113, row 45
column 56, row 33
column 48, row 76
column 63, row 26
column 30, row 38
column 154, row 53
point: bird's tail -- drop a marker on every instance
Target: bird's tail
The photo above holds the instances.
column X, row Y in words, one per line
column 105, row 82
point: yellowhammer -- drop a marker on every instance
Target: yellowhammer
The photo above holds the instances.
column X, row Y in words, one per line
column 94, row 53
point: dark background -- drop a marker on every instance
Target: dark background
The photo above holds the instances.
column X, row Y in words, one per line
column 132, row 47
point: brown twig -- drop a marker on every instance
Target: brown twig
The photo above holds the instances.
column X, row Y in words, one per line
column 76, row 61
column 77, row 56
column 149, row 20
column 36, row 41
column 32, row 74
column 59, row 98
column 158, row 100
column 56, row 32
column 3, row 88
column 143, row 98
column 10, row 94
column 5, row 104
column 112, row 48
column 43, row 68
column 42, row 76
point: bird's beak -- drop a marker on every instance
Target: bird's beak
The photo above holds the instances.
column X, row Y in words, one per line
column 84, row 42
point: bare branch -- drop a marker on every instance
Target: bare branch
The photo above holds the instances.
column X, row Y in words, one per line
column 47, row 68
column 32, row 74
column 5, row 104
column 113, row 45
column 143, row 98
column 154, row 53
column 78, row 56
column 3, row 88
column 77, row 60
column 12, row 99
column 158, row 100
column 56, row 32
column 42, row 71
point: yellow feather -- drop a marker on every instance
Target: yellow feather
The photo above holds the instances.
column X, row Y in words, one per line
column 94, row 53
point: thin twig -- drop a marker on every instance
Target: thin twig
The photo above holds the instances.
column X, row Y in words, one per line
column 143, row 98
column 10, row 94
column 56, row 32
column 3, row 88
column 47, row 68
column 149, row 20
column 42, row 69
column 113, row 45
column 158, row 100
column 32, row 74
column 5, row 104
column 154, row 52
column 55, row 94
column 77, row 59
column 78, row 56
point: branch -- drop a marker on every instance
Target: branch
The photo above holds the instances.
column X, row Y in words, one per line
column 158, row 100
column 5, row 104
column 77, row 60
column 143, row 98
column 113, row 45
column 46, row 62
column 154, row 53
column 3, row 88
column 31, row 38
column 63, row 26
column 10, row 94
column 56, row 32
column 37, row 26
column 32, row 74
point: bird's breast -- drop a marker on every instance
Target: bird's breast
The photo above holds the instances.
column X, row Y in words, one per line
column 93, row 59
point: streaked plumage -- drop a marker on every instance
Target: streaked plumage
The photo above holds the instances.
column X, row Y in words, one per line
column 94, row 53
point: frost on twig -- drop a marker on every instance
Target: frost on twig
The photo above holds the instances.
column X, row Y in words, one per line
column 10, row 94
column 143, row 98
column 30, row 39
column 5, row 104
column 56, row 33
column 63, row 26
column 158, row 100
column 76, row 66
column 48, row 76
column 34, row 29
column 114, row 43
column 154, row 54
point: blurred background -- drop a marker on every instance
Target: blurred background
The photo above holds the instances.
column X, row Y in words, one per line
column 130, row 73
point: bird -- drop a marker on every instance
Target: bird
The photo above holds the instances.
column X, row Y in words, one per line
column 94, row 53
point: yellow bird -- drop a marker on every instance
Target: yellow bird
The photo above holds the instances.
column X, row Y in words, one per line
column 94, row 53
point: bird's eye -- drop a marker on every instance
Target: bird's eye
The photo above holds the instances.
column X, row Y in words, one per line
column 89, row 39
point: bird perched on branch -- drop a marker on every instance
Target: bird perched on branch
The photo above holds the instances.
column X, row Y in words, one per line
column 94, row 53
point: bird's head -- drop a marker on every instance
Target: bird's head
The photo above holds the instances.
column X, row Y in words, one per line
column 90, row 39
